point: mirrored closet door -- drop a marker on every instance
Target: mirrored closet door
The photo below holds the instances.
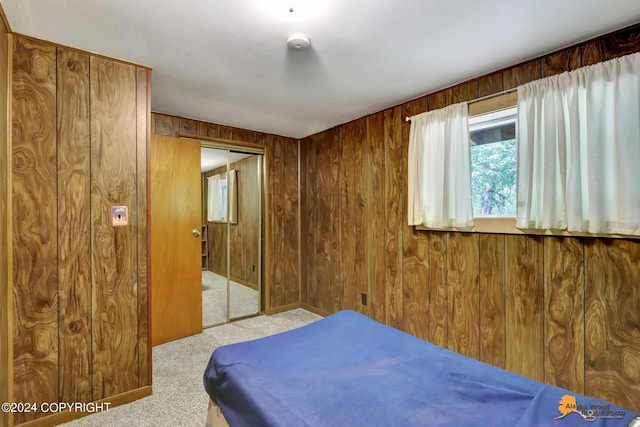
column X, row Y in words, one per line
column 232, row 218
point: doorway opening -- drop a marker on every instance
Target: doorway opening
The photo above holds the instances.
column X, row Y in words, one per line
column 232, row 188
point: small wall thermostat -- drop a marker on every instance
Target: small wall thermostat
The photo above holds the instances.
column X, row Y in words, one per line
column 119, row 216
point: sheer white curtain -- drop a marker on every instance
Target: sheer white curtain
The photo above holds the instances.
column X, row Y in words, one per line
column 439, row 169
column 214, row 209
column 579, row 150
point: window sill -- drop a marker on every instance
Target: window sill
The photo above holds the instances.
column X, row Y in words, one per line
column 507, row 225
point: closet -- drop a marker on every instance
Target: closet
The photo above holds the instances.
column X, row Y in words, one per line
column 233, row 217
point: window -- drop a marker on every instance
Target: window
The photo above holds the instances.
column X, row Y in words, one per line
column 493, row 163
column 222, row 197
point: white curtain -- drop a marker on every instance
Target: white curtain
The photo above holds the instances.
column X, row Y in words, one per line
column 439, row 169
column 579, row 150
column 214, row 208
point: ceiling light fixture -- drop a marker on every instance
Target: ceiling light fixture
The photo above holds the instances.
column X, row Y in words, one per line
column 298, row 41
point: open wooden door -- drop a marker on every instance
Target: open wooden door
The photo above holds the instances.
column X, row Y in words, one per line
column 176, row 218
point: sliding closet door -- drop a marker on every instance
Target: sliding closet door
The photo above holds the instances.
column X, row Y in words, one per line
column 215, row 296
column 233, row 211
column 244, row 235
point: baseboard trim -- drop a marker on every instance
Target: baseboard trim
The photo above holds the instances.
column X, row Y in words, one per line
column 66, row 416
column 282, row 308
column 315, row 310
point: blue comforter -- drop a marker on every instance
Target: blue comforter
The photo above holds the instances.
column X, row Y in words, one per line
column 348, row 370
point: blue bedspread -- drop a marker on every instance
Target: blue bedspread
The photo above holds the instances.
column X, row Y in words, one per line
column 348, row 370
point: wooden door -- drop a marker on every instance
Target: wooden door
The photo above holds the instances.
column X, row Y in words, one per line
column 176, row 216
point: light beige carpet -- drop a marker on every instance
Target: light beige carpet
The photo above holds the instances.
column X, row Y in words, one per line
column 179, row 399
column 243, row 301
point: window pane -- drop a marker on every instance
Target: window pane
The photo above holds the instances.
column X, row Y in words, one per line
column 493, row 164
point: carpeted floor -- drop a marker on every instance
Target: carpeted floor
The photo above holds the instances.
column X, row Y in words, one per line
column 243, row 302
column 178, row 396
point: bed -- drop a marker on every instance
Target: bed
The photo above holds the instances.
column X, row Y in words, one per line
column 348, row 370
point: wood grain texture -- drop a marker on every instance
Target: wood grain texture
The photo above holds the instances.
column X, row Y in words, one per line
column 564, row 313
column 6, row 278
column 393, row 200
column 466, row 91
column 323, row 204
column 307, row 220
column 463, row 334
column 351, row 214
column 291, row 250
column 491, row 281
column 612, row 321
column 490, row 84
column 114, row 254
column 415, row 248
column 142, row 144
column 334, row 225
column 521, row 74
column 623, row 42
column 34, row 216
column 559, row 62
column 374, row 221
column 276, row 174
column 438, row 293
column 176, row 307
column 525, row 299
column 74, row 226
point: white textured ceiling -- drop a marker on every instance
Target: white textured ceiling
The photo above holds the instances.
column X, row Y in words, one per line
column 226, row 61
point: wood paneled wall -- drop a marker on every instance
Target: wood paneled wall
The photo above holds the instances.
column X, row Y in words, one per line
column 563, row 310
column 243, row 235
column 6, row 305
column 79, row 146
column 283, row 281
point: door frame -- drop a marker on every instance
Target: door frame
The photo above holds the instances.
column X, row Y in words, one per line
column 262, row 149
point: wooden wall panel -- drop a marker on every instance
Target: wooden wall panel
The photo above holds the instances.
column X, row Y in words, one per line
column 564, row 312
column 334, row 273
column 351, row 214
column 565, row 60
column 525, row 298
column 438, row 293
column 463, row 334
column 143, row 81
column 34, row 216
column 113, row 183
column 612, row 321
column 291, row 232
column 276, row 194
column 393, row 198
column 74, row 226
column 491, row 283
column 611, row 46
column 309, row 223
column 521, row 74
column 322, row 285
column 72, row 120
column 415, row 248
column 490, row 84
column 374, row 221
column 6, row 278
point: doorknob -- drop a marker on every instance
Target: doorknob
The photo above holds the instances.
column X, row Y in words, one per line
column 196, row 232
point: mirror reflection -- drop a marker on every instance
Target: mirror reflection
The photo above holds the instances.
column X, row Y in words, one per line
column 231, row 230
